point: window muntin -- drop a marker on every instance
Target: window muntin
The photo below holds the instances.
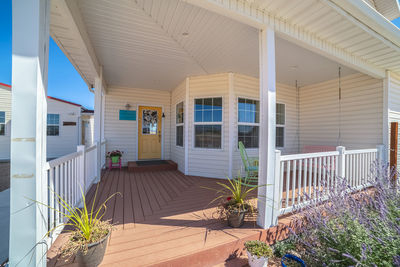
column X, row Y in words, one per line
column 208, row 109
column 248, row 123
column 2, row 123
column 53, row 124
column 179, row 124
column 208, row 123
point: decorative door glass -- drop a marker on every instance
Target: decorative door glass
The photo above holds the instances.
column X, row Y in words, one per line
column 150, row 121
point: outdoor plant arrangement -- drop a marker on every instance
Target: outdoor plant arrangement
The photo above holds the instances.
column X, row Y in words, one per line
column 353, row 228
column 258, row 253
column 114, row 155
column 89, row 234
column 234, row 198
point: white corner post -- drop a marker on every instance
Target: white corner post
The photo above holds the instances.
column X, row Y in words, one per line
column 341, row 166
column 186, row 126
column 30, row 45
column 82, row 169
column 232, row 136
column 98, row 128
column 385, row 119
column 267, row 216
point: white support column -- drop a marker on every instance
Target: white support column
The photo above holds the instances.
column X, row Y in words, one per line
column 266, row 174
column 98, row 100
column 232, row 135
column 81, row 171
column 341, row 162
column 186, row 130
column 30, row 21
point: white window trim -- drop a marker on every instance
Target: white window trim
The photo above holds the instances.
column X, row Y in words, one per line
column 59, row 125
column 208, row 123
column 180, row 124
column 5, row 125
column 282, row 125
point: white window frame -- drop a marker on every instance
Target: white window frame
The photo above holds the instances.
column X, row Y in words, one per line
column 208, row 123
column 282, row 125
column 246, row 123
column 180, row 124
column 4, row 123
column 59, row 127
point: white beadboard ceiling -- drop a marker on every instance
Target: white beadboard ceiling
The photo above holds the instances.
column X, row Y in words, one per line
column 155, row 44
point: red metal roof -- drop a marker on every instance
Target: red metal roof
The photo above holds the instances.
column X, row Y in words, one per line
column 6, row 85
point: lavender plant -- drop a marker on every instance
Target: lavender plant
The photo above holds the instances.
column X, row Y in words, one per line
column 352, row 228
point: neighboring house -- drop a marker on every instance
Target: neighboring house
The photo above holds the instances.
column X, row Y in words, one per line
column 64, row 125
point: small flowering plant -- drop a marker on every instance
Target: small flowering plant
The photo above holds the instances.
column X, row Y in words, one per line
column 114, row 153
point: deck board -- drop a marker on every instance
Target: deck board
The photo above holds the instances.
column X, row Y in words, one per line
column 161, row 216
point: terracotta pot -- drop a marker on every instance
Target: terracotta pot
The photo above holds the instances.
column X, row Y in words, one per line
column 255, row 261
column 94, row 255
column 236, row 219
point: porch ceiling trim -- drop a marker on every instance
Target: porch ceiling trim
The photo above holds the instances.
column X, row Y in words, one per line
column 66, row 18
column 248, row 12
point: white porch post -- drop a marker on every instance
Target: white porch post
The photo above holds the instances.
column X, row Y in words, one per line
column 30, row 21
column 385, row 119
column 267, row 216
column 98, row 100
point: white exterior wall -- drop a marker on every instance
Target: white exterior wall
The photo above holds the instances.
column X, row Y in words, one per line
column 5, row 105
column 209, row 162
column 177, row 153
column 248, row 87
column 121, row 134
column 361, row 116
column 69, row 136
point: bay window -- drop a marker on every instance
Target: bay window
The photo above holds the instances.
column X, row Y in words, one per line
column 208, row 122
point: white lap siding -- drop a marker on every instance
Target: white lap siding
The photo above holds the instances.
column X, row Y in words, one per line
column 248, row 87
column 360, row 119
column 122, row 134
column 5, row 106
column 177, row 152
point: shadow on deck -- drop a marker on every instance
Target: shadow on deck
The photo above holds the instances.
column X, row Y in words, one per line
column 166, row 219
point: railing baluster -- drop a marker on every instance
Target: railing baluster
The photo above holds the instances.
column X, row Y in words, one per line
column 319, row 175
column 314, row 184
column 295, row 171
column 293, row 188
column 310, row 168
column 287, row 182
column 301, row 163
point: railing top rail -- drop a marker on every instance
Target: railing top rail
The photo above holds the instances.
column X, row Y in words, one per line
column 361, row 151
column 309, row 155
column 93, row 147
column 58, row 161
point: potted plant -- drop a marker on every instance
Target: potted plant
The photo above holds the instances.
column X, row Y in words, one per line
column 114, row 155
column 89, row 234
column 258, row 253
column 235, row 203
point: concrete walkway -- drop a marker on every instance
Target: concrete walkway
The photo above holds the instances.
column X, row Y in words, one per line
column 4, row 223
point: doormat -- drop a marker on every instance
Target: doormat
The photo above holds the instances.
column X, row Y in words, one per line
column 151, row 162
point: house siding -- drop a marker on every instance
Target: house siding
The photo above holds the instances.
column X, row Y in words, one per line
column 177, row 153
column 5, row 105
column 361, row 113
column 248, row 87
column 121, row 134
column 68, row 139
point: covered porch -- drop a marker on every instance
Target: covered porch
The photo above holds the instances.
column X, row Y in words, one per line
column 192, row 64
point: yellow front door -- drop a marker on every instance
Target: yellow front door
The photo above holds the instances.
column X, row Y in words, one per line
column 149, row 136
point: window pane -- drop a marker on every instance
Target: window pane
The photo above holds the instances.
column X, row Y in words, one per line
column 208, row 104
column 217, row 115
column 208, row 110
column 2, row 129
column 280, row 114
column 207, row 115
column 53, row 119
column 179, row 135
column 248, row 110
column 52, row 130
column 179, row 113
column 198, row 104
column 248, row 135
column 217, row 103
column 208, row 136
column 149, row 121
column 2, row 117
column 280, row 136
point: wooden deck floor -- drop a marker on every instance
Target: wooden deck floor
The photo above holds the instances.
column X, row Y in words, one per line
column 160, row 216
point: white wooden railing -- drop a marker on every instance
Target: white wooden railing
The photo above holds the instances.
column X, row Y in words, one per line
column 67, row 176
column 304, row 178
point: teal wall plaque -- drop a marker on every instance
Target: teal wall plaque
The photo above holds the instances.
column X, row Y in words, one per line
column 127, row 115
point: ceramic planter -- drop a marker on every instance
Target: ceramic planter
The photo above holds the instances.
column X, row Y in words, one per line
column 115, row 159
column 94, row 255
column 255, row 261
column 236, row 219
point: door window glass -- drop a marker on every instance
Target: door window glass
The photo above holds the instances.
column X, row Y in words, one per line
column 149, row 121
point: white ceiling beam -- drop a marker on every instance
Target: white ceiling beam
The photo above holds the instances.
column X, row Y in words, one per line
column 70, row 12
column 245, row 12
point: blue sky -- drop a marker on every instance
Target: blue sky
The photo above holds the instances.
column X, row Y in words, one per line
column 64, row 80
